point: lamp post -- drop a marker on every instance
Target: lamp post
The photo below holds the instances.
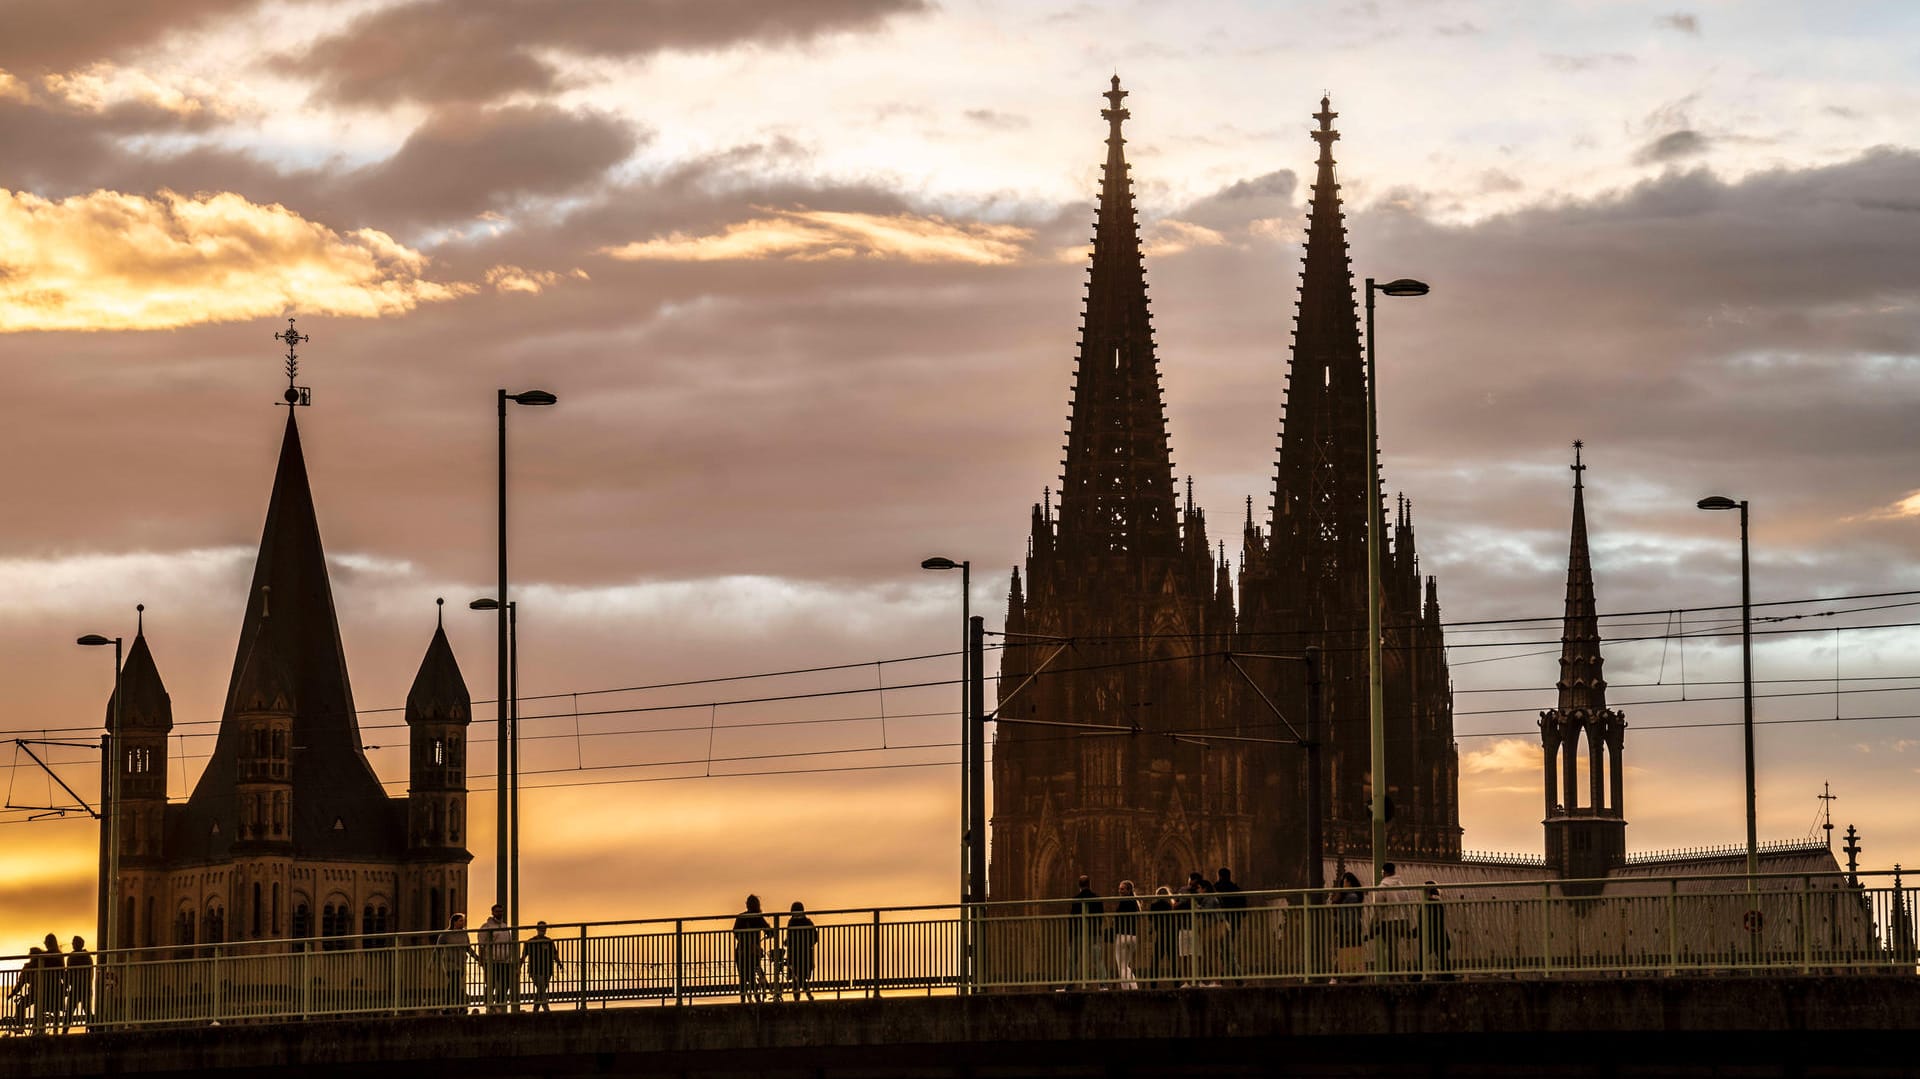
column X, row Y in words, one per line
column 1722, row 502
column 965, row 567
column 507, row 852
column 966, row 614
column 510, row 792
column 1376, row 685
column 107, row 932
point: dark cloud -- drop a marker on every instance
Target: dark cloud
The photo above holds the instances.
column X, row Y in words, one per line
column 1683, row 22
column 1673, row 146
column 465, row 160
column 476, row 50
column 56, row 36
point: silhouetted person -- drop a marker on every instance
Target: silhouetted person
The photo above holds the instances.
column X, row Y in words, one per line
column 79, row 987
column 748, row 929
column 50, row 995
column 502, row 959
column 1126, row 936
column 543, row 958
column 1393, row 914
column 1433, row 936
column 1084, row 910
column 1348, row 904
column 22, row 994
column 1233, row 906
column 455, row 947
column 802, row 939
column 1162, row 914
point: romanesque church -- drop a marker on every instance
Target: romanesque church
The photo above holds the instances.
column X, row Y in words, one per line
column 289, row 833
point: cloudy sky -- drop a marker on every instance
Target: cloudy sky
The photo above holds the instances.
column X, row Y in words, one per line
column 806, row 279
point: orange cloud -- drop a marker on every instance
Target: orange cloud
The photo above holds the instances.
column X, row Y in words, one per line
column 508, row 278
column 103, row 85
column 809, row 235
column 1505, row 756
column 1172, row 236
column 114, row 261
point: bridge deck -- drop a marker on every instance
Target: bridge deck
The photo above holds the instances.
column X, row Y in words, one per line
column 1749, row 1026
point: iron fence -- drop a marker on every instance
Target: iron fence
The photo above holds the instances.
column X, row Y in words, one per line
column 1638, row 927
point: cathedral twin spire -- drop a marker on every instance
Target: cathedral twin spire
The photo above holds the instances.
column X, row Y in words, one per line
column 1117, row 492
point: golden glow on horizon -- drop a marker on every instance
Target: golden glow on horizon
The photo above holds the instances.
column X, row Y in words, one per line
column 815, row 235
column 115, row 261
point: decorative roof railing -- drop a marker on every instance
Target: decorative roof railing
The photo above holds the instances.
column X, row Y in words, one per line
column 1724, row 850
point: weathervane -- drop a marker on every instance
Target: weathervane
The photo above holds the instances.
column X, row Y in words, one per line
column 295, row 395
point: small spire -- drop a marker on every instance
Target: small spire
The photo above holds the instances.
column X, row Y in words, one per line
column 1326, row 135
column 1114, row 113
column 1249, row 511
column 1046, row 502
column 440, row 612
column 1189, row 496
column 1223, row 552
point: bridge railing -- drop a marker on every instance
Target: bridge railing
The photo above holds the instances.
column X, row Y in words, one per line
column 1809, row 924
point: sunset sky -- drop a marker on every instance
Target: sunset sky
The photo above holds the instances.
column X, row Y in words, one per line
column 806, row 279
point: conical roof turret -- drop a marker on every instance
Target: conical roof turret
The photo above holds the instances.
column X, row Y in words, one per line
column 1117, row 490
column 145, row 703
column 439, row 693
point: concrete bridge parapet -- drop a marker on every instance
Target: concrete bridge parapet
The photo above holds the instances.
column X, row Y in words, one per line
column 1668, row 1026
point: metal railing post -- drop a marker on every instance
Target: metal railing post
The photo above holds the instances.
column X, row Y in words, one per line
column 580, row 971
column 679, row 960
column 876, row 953
column 1673, row 926
column 1546, row 929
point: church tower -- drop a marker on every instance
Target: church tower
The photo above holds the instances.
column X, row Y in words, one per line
column 438, row 711
column 1586, row 833
column 1304, row 582
column 288, row 832
column 146, row 718
column 1109, row 623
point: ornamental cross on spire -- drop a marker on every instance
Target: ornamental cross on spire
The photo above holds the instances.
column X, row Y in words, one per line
column 1577, row 466
column 295, row 395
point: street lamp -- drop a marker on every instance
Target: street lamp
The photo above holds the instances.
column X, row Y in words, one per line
column 507, row 852
column 1722, row 502
column 108, row 929
column 966, row 613
column 509, row 786
column 1376, row 685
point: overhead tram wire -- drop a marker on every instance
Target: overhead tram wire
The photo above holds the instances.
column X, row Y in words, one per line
column 1109, row 638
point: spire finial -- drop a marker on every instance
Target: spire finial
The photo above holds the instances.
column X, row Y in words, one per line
column 1326, row 135
column 140, row 619
column 1189, row 495
column 1114, row 113
column 1577, row 466
column 440, row 612
column 1249, row 511
column 295, row 395
column 1046, row 500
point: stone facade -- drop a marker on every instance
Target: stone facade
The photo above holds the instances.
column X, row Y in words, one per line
column 1125, row 618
